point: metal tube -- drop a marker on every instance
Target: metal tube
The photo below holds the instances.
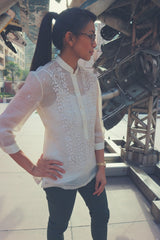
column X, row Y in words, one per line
column 110, row 94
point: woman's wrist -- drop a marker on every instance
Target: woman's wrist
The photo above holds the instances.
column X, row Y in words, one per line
column 33, row 169
column 100, row 162
column 20, row 158
column 103, row 164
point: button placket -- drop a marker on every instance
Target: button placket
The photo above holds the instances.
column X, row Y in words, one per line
column 80, row 103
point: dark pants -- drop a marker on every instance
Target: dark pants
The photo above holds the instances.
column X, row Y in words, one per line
column 61, row 202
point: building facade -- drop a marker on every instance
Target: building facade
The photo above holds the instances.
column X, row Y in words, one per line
column 29, row 52
column 2, row 59
column 6, row 55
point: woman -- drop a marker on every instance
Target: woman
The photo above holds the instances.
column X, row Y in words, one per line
column 67, row 98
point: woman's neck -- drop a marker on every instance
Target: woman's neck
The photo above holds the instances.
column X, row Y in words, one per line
column 70, row 59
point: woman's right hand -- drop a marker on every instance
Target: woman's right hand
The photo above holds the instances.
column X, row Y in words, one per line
column 48, row 168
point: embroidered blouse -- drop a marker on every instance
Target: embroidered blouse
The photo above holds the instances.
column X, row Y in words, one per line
column 69, row 105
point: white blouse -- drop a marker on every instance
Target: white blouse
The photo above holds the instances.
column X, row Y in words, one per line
column 69, row 105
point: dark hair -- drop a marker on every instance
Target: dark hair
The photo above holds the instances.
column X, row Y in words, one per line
column 71, row 19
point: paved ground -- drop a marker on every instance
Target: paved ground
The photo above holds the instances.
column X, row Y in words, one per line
column 23, row 207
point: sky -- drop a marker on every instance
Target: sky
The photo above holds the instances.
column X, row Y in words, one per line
column 58, row 7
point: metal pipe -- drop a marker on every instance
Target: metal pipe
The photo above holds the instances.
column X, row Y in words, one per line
column 116, row 23
column 7, row 4
column 110, row 94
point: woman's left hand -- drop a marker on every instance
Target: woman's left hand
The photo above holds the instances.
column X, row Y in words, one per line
column 100, row 181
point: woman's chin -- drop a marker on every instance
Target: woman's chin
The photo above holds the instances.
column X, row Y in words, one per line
column 87, row 58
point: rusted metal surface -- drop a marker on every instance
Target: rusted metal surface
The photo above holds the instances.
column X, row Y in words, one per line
column 5, row 5
column 95, row 6
column 116, row 23
column 31, row 14
column 21, row 16
column 130, row 60
column 141, row 128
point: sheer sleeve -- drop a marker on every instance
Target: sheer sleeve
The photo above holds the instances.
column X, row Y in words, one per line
column 19, row 109
column 99, row 128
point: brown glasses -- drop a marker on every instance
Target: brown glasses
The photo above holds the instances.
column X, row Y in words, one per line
column 91, row 36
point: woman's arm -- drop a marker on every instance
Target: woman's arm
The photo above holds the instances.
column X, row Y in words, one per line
column 44, row 168
column 101, row 172
column 99, row 147
column 19, row 109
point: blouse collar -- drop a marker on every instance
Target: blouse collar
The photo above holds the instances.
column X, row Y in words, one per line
column 67, row 67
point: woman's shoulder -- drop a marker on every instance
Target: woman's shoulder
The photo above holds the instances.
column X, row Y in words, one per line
column 47, row 68
column 44, row 73
column 89, row 73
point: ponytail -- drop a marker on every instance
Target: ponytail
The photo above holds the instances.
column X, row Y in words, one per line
column 71, row 19
column 43, row 51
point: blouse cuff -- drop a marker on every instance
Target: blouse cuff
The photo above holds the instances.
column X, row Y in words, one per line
column 11, row 149
column 99, row 146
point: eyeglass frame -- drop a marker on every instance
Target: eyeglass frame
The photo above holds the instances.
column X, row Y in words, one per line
column 91, row 36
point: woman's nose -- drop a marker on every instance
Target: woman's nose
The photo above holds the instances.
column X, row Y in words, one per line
column 94, row 44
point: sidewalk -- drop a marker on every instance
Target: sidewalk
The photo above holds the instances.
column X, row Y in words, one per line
column 23, row 207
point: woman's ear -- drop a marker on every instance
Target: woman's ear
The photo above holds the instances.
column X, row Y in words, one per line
column 69, row 38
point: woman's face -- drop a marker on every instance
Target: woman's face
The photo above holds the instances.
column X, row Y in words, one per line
column 85, row 42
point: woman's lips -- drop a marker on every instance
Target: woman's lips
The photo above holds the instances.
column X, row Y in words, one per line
column 91, row 52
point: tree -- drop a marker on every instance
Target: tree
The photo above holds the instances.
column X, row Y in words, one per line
column 24, row 74
column 11, row 71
